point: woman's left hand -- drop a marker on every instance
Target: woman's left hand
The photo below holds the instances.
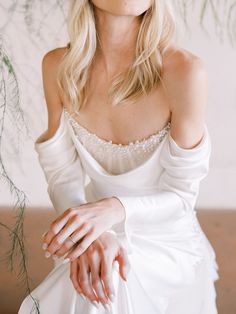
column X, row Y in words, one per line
column 92, row 272
column 85, row 224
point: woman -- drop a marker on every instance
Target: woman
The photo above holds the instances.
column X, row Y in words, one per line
column 113, row 95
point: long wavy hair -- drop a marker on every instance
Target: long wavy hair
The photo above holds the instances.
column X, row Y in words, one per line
column 157, row 28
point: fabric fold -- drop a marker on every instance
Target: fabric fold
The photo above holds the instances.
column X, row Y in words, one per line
column 165, row 243
column 62, row 168
column 177, row 190
column 161, row 230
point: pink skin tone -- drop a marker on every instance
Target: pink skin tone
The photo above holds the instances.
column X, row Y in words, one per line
column 96, row 249
column 88, row 221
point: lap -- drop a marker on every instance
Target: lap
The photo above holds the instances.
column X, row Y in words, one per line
column 198, row 298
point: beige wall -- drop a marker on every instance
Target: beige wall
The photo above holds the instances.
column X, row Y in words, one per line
column 218, row 189
column 26, row 49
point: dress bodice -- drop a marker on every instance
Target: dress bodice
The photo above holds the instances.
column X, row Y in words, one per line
column 117, row 158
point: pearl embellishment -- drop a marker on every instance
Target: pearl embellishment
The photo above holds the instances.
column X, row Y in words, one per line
column 134, row 152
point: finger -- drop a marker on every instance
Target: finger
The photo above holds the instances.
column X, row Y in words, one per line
column 124, row 264
column 106, row 276
column 74, row 267
column 60, row 238
column 84, row 278
column 77, row 235
column 58, row 224
column 95, row 265
column 83, row 245
column 67, row 246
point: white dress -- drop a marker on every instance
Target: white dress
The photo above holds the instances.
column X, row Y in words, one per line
column 173, row 265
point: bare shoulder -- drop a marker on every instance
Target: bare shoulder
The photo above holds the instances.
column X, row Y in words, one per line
column 53, row 57
column 186, row 79
column 183, row 72
column 50, row 63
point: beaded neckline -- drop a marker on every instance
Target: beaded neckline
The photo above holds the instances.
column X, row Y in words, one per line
column 158, row 135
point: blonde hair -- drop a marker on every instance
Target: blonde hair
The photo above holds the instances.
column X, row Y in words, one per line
column 157, row 28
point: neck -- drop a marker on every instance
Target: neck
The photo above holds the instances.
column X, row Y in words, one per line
column 117, row 37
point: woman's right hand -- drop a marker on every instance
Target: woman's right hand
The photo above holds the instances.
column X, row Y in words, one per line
column 97, row 262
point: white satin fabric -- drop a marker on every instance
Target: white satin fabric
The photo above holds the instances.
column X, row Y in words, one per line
column 173, row 265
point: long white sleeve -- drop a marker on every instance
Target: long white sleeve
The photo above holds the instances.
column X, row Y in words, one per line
column 178, row 188
column 62, row 168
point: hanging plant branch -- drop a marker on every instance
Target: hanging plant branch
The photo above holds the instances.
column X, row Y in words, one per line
column 10, row 107
column 10, row 12
column 222, row 13
column 23, row 274
column 231, row 21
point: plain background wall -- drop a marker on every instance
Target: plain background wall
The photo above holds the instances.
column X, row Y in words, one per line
column 26, row 50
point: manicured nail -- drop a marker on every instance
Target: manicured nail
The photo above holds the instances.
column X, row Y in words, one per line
column 112, row 297
column 66, row 260
column 43, row 234
column 95, row 304
column 106, row 306
column 82, row 296
column 44, row 246
column 127, row 276
column 47, row 254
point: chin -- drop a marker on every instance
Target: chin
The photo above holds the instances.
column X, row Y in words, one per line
column 131, row 12
column 122, row 7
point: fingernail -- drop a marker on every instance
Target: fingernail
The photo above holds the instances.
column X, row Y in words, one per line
column 82, row 296
column 43, row 234
column 127, row 276
column 112, row 297
column 47, row 254
column 95, row 303
column 44, row 246
column 106, row 306
column 66, row 260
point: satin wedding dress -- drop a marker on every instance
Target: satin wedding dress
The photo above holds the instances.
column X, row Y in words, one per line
column 173, row 265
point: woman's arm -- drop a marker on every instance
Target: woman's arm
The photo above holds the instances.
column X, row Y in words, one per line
column 61, row 164
column 164, row 241
column 65, row 176
column 184, row 156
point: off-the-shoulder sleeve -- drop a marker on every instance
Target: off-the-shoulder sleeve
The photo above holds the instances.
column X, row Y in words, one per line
column 178, row 187
column 159, row 230
column 62, row 168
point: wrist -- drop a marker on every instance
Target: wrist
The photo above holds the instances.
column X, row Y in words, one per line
column 119, row 209
column 111, row 231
